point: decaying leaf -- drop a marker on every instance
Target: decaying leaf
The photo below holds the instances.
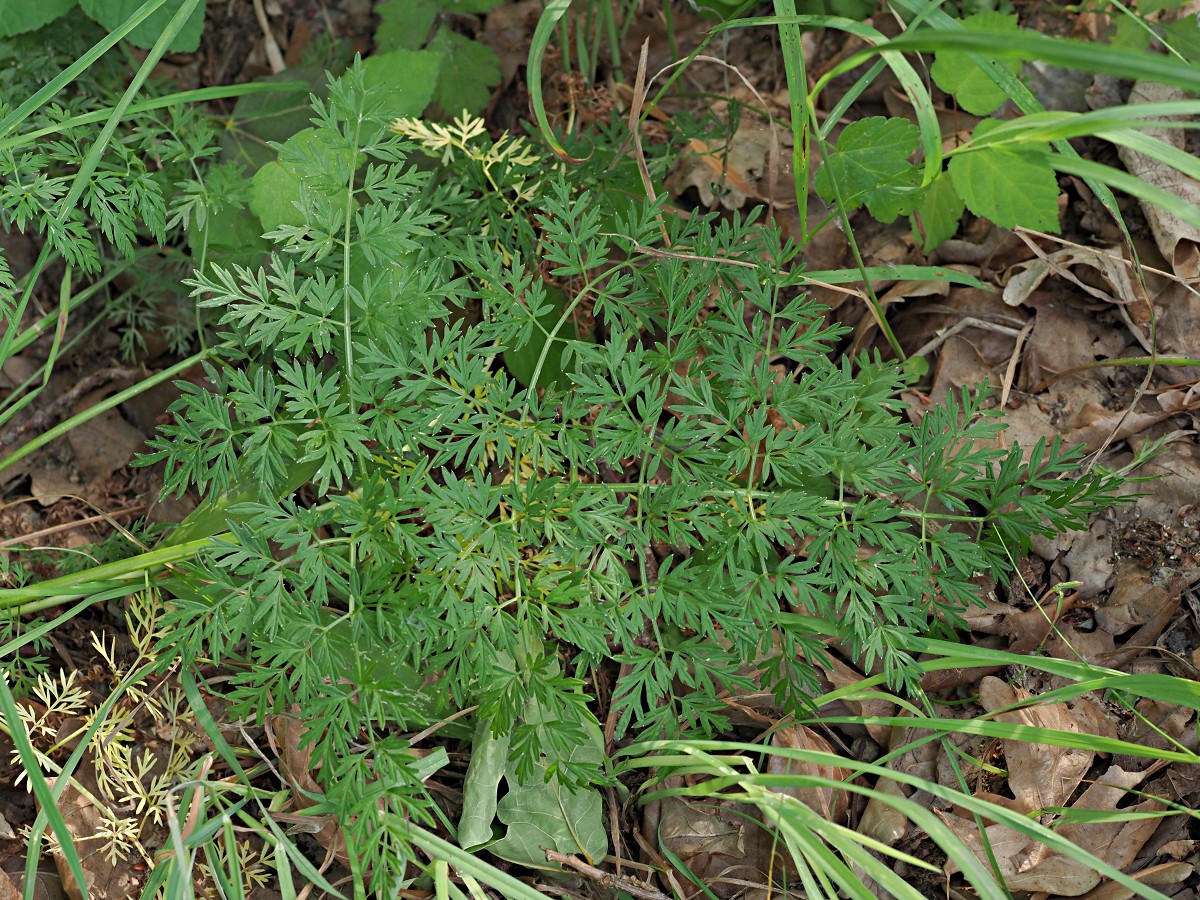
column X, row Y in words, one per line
column 827, row 802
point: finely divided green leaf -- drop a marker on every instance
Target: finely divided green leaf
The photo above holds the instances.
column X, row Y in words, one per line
column 268, row 116
column 275, row 188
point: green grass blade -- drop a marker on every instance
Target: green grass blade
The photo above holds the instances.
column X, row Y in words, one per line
column 199, row 95
column 41, row 790
column 896, row 273
column 104, row 405
column 81, row 65
column 1084, row 56
column 554, row 11
column 910, row 80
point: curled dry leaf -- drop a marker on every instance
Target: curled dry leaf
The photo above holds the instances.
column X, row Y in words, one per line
column 1178, row 241
column 1159, row 876
column 718, row 841
column 1026, row 277
column 286, row 733
column 1046, row 778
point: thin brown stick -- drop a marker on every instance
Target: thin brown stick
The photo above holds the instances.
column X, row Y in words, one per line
column 68, row 526
column 605, row 879
column 635, row 130
column 51, row 412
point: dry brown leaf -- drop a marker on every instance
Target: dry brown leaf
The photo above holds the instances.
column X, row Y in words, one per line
column 1025, row 278
column 718, row 841
column 1117, row 843
column 285, row 732
column 729, row 176
column 105, row 877
column 1059, row 875
column 1133, row 601
column 1161, row 875
column 1178, row 241
column 1025, row 865
column 840, row 676
column 1039, row 776
column 827, row 802
column 881, row 820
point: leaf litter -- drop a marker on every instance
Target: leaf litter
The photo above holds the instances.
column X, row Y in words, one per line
column 1057, row 313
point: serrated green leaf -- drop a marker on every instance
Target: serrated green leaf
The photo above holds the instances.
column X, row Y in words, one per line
column 406, row 78
column 871, row 166
column 939, row 212
column 111, row 13
column 898, row 198
column 972, row 87
column 1009, row 185
column 404, row 24
column 275, row 188
column 19, row 16
column 469, row 72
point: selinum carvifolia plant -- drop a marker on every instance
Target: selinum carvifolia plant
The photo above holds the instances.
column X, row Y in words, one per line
column 687, row 491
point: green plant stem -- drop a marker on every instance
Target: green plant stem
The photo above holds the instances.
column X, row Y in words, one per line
column 1179, row 361
column 117, row 576
column 797, row 80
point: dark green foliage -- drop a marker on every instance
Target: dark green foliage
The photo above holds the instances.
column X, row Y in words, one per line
column 496, row 543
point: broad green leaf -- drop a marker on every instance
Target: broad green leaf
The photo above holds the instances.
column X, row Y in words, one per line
column 938, row 213
column 1184, row 37
column 489, row 757
column 469, row 72
column 544, row 814
column 1148, row 7
column 233, row 235
column 523, row 361
column 407, row 78
column 404, row 24
column 899, row 198
column 275, row 188
column 19, row 16
column 956, row 74
column 469, row 7
column 1131, row 34
column 1011, row 186
column 111, row 13
column 871, row 166
column 271, row 116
